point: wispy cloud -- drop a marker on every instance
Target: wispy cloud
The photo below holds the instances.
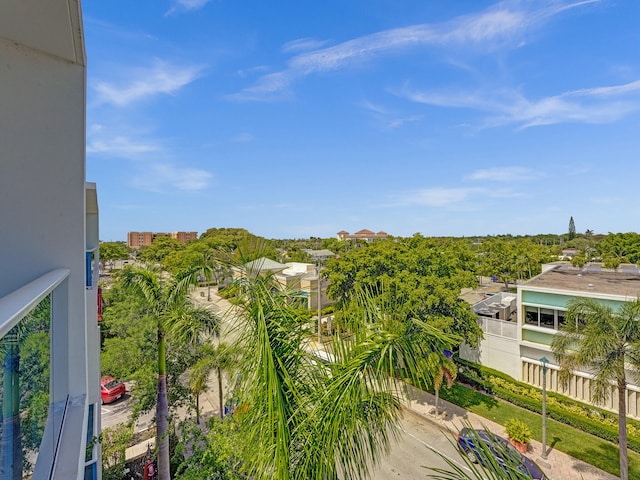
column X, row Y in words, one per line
column 186, row 5
column 387, row 118
column 402, row 121
column 163, row 177
column 303, row 44
column 120, row 146
column 505, row 174
column 151, row 158
column 106, row 141
column 161, row 78
column 437, row 196
column 594, row 105
column 453, row 197
column 501, row 26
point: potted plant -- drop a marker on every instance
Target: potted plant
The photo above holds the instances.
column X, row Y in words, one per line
column 519, row 434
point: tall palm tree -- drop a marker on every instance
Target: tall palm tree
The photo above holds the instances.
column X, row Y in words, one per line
column 166, row 300
column 311, row 420
column 608, row 342
column 219, row 358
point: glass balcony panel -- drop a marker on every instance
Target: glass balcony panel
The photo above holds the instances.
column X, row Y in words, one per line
column 24, row 391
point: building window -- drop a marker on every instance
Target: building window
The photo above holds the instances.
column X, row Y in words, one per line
column 561, row 319
column 544, row 317
column 547, row 318
column 531, row 315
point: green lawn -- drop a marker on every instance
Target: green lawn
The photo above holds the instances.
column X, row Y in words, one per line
column 590, row 449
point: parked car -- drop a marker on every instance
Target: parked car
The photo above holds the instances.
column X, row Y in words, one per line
column 487, row 448
column 111, row 389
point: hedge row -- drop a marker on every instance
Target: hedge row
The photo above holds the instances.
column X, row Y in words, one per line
column 562, row 409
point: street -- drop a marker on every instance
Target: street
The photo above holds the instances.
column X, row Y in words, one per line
column 410, row 457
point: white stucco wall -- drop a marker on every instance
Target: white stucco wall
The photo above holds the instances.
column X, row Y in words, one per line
column 42, row 169
column 499, row 353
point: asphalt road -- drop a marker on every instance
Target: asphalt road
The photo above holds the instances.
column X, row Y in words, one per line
column 119, row 411
column 411, row 457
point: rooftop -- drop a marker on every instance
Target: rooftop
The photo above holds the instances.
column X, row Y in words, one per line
column 623, row 281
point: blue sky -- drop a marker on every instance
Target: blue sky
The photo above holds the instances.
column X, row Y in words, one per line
column 303, row 118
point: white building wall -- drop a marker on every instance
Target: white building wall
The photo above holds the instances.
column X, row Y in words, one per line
column 499, row 353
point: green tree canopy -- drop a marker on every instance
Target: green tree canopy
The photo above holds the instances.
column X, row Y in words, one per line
column 159, row 250
column 511, row 259
column 422, row 277
column 617, row 248
column 110, row 251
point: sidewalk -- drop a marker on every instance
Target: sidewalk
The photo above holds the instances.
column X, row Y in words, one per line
column 557, row 465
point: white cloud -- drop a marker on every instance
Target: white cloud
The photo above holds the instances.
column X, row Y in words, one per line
column 505, row 174
column 163, row 177
column 595, row 105
column 467, row 198
column 438, row 196
column 192, row 4
column 186, row 5
column 503, row 25
column 303, row 44
column 250, row 71
column 387, row 118
column 120, row 146
column 109, row 141
column 269, row 87
column 161, row 78
column 399, row 122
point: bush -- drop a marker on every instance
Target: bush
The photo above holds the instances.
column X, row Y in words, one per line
column 589, row 419
column 517, row 430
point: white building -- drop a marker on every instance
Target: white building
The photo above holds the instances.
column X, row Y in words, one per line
column 518, row 328
column 49, row 224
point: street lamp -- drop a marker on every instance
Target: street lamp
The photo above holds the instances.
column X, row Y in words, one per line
column 545, row 362
column 319, row 307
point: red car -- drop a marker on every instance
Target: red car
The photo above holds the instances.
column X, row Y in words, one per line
column 111, row 389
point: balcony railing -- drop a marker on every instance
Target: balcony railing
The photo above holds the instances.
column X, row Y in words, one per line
column 501, row 328
column 25, row 391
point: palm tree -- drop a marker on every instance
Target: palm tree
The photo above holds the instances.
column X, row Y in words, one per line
column 166, row 300
column 443, row 367
column 219, row 358
column 305, row 419
column 606, row 341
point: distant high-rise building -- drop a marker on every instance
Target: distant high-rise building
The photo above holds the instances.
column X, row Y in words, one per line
column 184, row 236
column 144, row 239
column 139, row 239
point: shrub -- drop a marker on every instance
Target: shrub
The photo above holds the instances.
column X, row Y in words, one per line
column 589, row 419
column 517, row 430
